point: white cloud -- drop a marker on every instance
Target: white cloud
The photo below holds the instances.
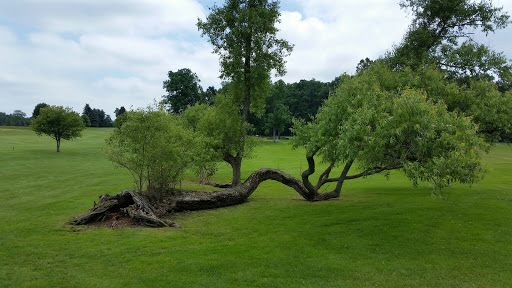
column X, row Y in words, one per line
column 333, row 36
column 132, row 17
column 105, row 53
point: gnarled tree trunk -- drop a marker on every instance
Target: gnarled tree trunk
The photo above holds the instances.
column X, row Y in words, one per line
column 150, row 212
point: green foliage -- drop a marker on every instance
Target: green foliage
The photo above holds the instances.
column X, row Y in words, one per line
column 120, row 120
column 183, row 90
column 209, row 94
column 302, row 99
column 153, row 148
column 442, row 32
column 58, row 123
column 220, row 125
column 243, row 34
column 480, row 100
column 38, row 107
column 363, row 65
column 392, row 127
column 306, row 96
column 278, row 114
column 119, row 111
column 471, row 61
column 86, row 120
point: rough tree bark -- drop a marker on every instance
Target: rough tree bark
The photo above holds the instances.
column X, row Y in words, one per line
column 236, row 167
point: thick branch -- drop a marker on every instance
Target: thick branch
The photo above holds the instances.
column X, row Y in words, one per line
column 310, row 171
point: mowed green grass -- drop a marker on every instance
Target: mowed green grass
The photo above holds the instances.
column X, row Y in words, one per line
column 379, row 233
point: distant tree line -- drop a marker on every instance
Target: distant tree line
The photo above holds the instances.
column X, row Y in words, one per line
column 93, row 117
column 17, row 118
column 286, row 101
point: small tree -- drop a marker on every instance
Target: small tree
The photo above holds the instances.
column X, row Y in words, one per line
column 153, row 148
column 58, row 123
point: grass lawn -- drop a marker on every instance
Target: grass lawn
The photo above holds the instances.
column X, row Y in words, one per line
column 379, row 233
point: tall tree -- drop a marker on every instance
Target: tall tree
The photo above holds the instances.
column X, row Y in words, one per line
column 277, row 113
column 306, row 96
column 119, row 111
column 97, row 117
column 100, row 116
column 209, row 94
column 243, row 34
column 38, row 107
column 58, row 123
column 87, row 111
column 183, row 90
column 363, row 64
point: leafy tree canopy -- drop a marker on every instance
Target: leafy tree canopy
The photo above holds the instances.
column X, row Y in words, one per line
column 442, row 33
column 153, row 148
column 243, row 34
column 375, row 122
column 183, row 90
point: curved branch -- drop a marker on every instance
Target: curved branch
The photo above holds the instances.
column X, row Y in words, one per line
column 199, row 200
column 310, row 171
column 324, row 176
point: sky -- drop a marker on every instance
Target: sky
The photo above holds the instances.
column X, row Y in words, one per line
column 113, row 53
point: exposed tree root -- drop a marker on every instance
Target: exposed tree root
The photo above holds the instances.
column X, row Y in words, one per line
column 133, row 204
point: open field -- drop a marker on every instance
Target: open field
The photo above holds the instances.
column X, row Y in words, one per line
column 380, row 233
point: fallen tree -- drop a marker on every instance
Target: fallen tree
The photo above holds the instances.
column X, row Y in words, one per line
column 361, row 127
column 380, row 120
column 155, row 211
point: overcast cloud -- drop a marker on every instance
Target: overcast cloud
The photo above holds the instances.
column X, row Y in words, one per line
column 117, row 53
